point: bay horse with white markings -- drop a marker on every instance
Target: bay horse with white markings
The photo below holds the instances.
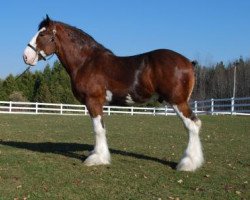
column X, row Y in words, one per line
column 99, row 77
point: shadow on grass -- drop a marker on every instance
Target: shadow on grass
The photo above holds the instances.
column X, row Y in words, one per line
column 69, row 150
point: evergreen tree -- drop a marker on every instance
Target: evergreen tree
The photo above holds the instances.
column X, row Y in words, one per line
column 44, row 94
column 9, row 86
column 3, row 95
column 25, row 84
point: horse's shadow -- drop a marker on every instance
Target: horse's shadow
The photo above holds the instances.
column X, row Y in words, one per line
column 70, row 150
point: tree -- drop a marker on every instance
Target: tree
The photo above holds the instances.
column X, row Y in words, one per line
column 9, row 85
column 43, row 94
column 17, row 96
column 25, row 84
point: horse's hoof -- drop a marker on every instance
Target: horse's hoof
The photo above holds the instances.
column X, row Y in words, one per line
column 187, row 164
column 97, row 159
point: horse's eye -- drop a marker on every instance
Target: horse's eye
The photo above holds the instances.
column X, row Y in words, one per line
column 42, row 34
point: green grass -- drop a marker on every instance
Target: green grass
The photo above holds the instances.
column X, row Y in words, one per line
column 41, row 157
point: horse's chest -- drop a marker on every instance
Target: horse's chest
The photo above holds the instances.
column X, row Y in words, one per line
column 80, row 88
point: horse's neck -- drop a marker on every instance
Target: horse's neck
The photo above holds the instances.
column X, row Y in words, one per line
column 70, row 55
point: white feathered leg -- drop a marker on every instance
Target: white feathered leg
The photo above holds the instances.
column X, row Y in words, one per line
column 193, row 156
column 100, row 155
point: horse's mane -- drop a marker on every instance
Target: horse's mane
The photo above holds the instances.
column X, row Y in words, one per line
column 77, row 35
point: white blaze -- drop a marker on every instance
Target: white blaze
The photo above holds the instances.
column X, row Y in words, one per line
column 30, row 56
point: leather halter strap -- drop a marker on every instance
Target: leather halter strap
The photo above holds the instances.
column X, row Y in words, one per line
column 43, row 56
column 38, row 52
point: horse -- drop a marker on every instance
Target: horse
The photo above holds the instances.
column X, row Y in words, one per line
column 99, row 77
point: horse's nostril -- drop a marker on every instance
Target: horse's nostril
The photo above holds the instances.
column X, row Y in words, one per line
column 25, row 57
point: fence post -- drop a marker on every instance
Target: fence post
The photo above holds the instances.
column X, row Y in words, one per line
column 195, row 107
column 232, row 105
column 132, row 110
column 166, row 110
column 10, row 108
column 85, row 110
column 154, row 111
column 212, row 106
column 61, row 109
column 108, row 110
column 36, row 107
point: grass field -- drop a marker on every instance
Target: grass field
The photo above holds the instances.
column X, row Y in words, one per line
column 41, row 157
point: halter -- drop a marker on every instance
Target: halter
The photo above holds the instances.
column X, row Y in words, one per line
column 41, row 53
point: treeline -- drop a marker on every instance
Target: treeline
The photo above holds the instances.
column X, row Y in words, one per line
column 217, row 81
column 52, row 85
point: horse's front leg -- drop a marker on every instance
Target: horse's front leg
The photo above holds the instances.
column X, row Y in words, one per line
column 100, row 155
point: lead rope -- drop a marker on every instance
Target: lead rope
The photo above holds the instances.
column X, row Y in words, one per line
column 28, row 68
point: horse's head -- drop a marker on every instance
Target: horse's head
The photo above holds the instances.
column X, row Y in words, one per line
column 42, row 44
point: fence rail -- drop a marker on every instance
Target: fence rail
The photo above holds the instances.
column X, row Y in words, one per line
column 232, row 106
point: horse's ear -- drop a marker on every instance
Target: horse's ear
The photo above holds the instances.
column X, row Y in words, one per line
column 45, row 23
column 47, row 18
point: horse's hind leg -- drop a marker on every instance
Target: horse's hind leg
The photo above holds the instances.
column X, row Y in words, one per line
column 193, row 156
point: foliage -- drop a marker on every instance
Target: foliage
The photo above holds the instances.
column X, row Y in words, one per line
column 52, row 85
column 17, row 96
column 217, row 81
column 41, row 157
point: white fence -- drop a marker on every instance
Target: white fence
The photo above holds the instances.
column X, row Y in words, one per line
column 233, row 106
